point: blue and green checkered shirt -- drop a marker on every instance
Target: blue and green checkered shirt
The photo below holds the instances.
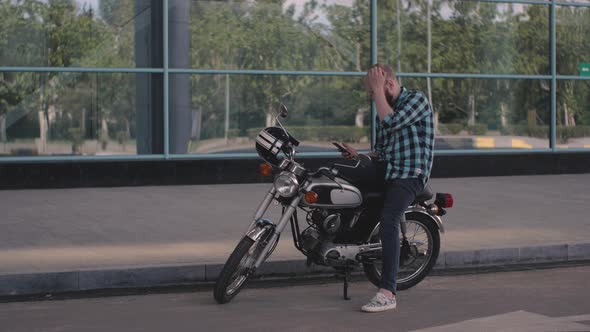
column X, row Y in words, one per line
column 405, row 138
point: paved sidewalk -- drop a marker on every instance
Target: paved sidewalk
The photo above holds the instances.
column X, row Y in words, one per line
column 119, row 228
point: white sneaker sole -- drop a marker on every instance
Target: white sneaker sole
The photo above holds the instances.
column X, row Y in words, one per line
column 379, row 309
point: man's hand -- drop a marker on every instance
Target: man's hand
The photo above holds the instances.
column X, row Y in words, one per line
column 350, row 152
column 373, row 154
column 375, row 85
column 375, row 81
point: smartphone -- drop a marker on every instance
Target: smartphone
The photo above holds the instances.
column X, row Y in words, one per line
column 340, row 147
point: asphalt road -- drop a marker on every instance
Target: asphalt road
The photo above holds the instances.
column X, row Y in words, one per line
column 538, row 300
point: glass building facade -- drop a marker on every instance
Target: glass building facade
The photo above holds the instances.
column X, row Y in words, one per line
column 178, row 79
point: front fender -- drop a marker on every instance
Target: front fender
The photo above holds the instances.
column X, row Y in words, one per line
column 421, row 210
column 259, row 229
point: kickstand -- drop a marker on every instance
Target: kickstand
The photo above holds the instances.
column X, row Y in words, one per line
column 346, row 276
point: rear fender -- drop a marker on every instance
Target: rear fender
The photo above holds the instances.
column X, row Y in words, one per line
column 422, row 211
column 418, row 210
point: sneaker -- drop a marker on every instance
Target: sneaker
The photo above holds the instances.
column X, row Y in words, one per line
column 379, row 303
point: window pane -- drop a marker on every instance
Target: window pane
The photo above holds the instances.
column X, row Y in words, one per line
column 76, row 114
column 80, row 33
column 488, row 113
column 573, row 114
column 281, row 35
column 467, row 37
column 573, row 46
column 227, row 112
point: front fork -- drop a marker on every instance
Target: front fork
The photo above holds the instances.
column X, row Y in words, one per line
column 262, row 208
column 255, row 232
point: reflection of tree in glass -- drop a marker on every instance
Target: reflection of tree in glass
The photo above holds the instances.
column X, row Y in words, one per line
column 58, row 33
column 467, row 37
column 271, row 36
column 54, row 33
column 573, row 98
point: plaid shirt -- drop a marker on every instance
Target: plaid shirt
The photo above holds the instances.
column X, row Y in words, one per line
column 405, row 138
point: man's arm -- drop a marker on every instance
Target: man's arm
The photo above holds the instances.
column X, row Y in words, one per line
column 374, row 154
column 378, row 147
column 351, row 153
column 374, row 83
column 415, row 110
column 383, row 108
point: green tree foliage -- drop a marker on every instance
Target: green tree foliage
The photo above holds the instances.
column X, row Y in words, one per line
column 269, row 35
column 60, row 33
column 467, row 37
column 480, row 38
column 573, row 47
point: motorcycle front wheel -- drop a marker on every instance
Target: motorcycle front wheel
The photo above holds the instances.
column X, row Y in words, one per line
column 239, row 267
column 417, row 256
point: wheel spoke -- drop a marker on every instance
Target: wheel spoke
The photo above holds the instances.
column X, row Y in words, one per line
column 245, row 267
column 415, row 230
column 419, row 233
column 420, row 252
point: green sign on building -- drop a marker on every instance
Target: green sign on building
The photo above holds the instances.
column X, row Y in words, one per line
column 584, row 69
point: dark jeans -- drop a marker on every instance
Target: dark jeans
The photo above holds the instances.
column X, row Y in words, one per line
column 399, row 194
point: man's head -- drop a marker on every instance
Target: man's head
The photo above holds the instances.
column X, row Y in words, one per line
column 392, row 87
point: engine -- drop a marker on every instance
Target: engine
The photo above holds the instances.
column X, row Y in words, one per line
column 311, row 239
column 323, row 225
column 327, row 221
column 318, row 239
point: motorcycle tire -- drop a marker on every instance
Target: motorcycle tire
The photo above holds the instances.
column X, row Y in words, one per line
column 230, row 268
column 246, row 248
column 374, row 274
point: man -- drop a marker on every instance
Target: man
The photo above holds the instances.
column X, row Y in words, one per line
column 405, row 140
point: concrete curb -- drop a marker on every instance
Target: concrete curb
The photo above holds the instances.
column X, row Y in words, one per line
column 21, row 284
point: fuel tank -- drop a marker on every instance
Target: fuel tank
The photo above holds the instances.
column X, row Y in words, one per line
column 337, row 193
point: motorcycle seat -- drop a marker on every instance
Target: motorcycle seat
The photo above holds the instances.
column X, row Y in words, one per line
column 423, row 196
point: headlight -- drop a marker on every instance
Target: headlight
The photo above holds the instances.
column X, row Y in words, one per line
column 286, row 184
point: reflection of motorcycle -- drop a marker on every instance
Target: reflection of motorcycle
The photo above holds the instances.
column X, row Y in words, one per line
column 341, row 204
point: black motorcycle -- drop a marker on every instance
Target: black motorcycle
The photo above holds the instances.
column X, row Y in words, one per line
column 341, row 204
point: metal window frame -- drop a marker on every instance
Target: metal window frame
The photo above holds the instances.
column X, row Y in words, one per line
column 166, row 71
column 166, row 87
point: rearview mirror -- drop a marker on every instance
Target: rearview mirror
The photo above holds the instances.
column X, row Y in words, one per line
column 283, row 111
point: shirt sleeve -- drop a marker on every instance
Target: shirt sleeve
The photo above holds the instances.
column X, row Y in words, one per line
column 413, row 111
column 379, row 141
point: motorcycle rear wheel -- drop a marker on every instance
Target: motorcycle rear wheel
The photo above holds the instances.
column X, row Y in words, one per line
column 409, row 275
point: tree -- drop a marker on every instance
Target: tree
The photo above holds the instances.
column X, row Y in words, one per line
column 57, row 33
column 257, row 35
column 19, row 45
column 351, row 25
column 116, row 49
column 572, row 48
column 532, row 47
